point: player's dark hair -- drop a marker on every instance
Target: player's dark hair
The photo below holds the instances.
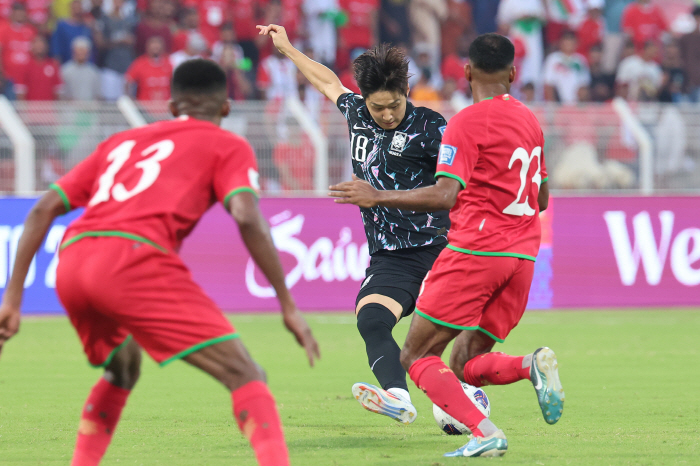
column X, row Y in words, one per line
column 491, row 53
column 199, row 76
column 382, row 68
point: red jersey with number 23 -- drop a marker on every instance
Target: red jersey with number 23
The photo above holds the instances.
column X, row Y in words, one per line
column 495, row 150
column 153, row 184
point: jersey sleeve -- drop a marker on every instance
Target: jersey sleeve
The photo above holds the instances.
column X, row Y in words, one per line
column 459, row 150
column 236, row 172
column 347, row 102
column 438, row 126
column 75, row 187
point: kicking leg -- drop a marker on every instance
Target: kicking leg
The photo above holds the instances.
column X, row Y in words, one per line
column 377, row 314
column 104, row 405
column 253, row 405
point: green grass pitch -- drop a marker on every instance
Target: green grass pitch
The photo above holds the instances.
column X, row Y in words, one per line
column 632, row 381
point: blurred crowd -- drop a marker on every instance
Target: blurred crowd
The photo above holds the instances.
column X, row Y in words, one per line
column 566, row 50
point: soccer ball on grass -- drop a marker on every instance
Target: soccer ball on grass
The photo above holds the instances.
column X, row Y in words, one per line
column 450, row 425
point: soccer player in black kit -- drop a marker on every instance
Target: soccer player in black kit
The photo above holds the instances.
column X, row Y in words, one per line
column 394, row 145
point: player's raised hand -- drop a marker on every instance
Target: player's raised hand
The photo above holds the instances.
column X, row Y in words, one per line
column 357, row 192
column 9, row 322
column 279, row 36
column 296, row 324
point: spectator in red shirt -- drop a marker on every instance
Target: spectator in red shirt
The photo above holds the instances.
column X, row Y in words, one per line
column 155, row 23
column 360, row 32
column 643, row 22
column 246, row 14
column 41, row 78
column 16, row 42
column 213, row 14
column 150, row 73
column 592, row 30
column 38, row 13
column 189, row 22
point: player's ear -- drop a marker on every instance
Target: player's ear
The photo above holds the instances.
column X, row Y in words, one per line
column 513, row 73
column 468, row 72
column 226, row 108
column 172, row 106
column 408, row 89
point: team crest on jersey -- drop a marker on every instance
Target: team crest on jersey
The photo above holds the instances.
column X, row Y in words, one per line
column 447, row 154
column 398, row 143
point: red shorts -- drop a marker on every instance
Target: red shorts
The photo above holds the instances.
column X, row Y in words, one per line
column 470, row 292
column 115, row 288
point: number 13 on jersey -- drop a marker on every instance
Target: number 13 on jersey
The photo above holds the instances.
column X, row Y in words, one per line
column 119, row 156
column 523, row 208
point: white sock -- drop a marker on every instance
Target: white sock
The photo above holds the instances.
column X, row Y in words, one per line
column 400, row 393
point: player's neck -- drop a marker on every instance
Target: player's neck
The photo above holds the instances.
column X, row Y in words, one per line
column 203, row 117
column 488, row 91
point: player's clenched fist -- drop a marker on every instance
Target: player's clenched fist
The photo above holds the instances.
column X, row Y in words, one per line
column 279, row 36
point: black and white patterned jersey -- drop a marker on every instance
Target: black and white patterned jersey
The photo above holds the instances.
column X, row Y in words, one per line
column 402, row 158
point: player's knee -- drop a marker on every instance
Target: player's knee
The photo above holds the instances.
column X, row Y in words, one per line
column 125, row 368
column 375, row 320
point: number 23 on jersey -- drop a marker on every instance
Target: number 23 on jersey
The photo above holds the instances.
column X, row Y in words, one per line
column 523, row 208
column 119, row 156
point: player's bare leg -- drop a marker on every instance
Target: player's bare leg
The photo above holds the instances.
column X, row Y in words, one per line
column 474, row 363
column 377, row 315
column 253, row 405
column 425, row 343
column 104, row 405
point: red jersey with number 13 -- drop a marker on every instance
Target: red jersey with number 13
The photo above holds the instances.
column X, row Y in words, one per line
column 152, row 184
column 495, row 150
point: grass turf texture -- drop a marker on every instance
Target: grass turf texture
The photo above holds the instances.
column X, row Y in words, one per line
column 631, row 381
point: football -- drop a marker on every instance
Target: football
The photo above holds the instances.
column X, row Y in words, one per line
column 450, row 425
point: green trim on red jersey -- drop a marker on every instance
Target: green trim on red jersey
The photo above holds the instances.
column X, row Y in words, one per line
column 457, row 327
column 545, row 180
column 199, row 346
column 454, row 177
column 62, row 193
column 492, row 254
column 238, row 191
column 112, row 353
column 113, row 234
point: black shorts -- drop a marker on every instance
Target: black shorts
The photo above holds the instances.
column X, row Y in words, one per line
column 399, row 274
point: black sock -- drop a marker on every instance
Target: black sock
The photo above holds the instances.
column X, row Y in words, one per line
column 375, row 323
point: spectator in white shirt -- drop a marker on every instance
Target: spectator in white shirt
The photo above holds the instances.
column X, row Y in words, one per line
column 81, row 79
column 195, row 47
column 639, row 76
column 565, row 71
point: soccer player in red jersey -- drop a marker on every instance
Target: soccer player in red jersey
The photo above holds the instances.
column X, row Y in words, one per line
column 491, row 174
column 120, row 278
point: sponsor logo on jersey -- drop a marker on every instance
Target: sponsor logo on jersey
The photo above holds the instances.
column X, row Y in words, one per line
column 398, row 143
column 447, row 154
column 442, row 130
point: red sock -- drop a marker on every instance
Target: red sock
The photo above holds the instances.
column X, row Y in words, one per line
column 441, row 385
column 100, row 416
column 256, row 415
column 495, row 369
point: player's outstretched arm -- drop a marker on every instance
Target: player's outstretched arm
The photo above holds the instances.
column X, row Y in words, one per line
column 441, row 196
column 256, row 236
column 318, row 75
column 36, row 225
